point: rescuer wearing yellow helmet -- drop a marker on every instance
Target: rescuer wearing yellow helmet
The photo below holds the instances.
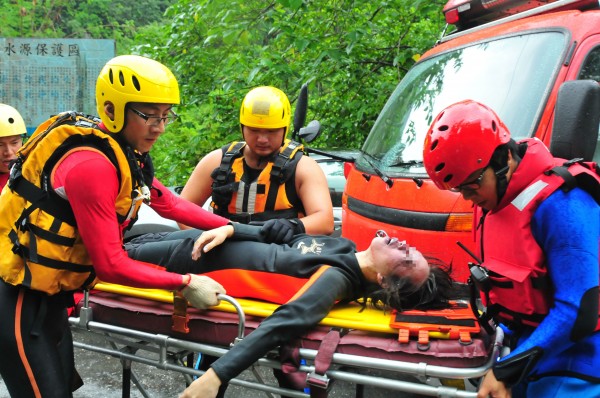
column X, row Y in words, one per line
column 76, row 184
column 12, row 131
column 264, row 178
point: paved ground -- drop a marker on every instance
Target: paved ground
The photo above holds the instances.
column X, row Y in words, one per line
column 102, row 377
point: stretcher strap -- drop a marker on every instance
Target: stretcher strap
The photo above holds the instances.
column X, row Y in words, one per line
column 290, row 376
column 323, row 360
column 180, row 316
column 457, row 322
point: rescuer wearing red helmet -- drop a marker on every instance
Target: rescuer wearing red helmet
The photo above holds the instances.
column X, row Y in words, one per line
column 537, row 237
column 12, row 131
column 75, row 186
column 264, row 178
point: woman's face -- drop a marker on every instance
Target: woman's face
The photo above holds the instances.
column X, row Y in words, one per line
column 394, row 257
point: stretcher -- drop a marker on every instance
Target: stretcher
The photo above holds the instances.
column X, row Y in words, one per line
column 138, row 325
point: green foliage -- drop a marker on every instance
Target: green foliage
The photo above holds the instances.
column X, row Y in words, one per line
column 96, row 19
column 352, row 54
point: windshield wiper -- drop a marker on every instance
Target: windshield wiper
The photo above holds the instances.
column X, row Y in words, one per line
column 407, row 163
column 388, row 181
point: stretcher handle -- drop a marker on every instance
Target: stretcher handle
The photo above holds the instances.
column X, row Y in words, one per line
column 240, row 313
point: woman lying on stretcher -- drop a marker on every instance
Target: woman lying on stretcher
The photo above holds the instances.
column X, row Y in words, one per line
column 308, row 275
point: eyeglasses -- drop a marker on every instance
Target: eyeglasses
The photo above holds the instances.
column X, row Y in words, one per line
column 155, row 120
column 471, row 185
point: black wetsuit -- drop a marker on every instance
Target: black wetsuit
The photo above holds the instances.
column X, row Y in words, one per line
column 36, row 343
column 321, row 269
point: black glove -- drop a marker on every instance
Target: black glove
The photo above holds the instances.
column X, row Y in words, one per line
column 281, row 230
column 514, row 370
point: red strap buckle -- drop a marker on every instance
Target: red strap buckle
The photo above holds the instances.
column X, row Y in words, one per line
column 180, row 324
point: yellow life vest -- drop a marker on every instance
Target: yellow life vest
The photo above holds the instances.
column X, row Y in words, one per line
column 271, row 195
column 40, row 244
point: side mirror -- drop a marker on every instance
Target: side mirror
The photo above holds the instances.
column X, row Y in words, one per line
column 310, row 132
column 300, row 112
column 576, row 120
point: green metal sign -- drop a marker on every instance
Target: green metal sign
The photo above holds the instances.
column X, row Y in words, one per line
column 42, row 77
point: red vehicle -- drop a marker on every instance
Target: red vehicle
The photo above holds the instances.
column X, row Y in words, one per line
column 512, row 55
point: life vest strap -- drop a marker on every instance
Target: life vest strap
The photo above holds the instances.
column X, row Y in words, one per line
column 514, row 320
column 246, row 218
column 40, row 199
column 221, row 174
column 279, row 171
column 563, row 172
column 51, row 263
column 51, row 237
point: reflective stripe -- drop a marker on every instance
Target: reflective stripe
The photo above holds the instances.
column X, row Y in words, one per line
column 528, row 194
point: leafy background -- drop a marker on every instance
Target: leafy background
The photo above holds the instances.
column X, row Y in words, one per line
column 352, row 54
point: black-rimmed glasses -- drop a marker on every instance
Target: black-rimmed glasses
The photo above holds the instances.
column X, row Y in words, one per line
column 471, row 185
column 155, row 120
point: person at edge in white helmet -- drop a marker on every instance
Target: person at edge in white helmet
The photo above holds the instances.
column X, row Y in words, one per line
column 538, row 227
column 265, row 178
column 77, row 183
column 12, row 131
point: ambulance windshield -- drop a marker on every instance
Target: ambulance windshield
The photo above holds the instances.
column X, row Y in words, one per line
column 513, row 75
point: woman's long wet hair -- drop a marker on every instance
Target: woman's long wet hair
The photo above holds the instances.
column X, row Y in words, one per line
column 401, row 294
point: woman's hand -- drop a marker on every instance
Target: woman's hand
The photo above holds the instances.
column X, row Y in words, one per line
column 210, row 239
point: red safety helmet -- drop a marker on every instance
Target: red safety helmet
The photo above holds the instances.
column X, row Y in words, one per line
column 460, row 141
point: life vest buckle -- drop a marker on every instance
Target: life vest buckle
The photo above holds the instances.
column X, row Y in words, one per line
column 480, row 277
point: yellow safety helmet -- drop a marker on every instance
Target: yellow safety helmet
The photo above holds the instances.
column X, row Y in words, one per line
column 266, row 107
column 132, row 78
column 11, row 122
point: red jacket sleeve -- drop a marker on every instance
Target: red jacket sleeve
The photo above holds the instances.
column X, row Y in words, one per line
column 91, row 185
column 173, row 207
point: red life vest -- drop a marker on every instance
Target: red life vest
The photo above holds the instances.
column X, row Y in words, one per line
column 521, row 290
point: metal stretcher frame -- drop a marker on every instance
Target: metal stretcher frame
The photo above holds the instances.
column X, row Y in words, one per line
column 167, row 352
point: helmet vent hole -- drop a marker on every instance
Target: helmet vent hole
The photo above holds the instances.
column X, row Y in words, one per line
column 11, row 120
column 440, row 167
column 434, row 145
column 136, row 83
column 443, row 127
column 121, row 78
column 448, row 178
column 494, row 126
column 110, row 77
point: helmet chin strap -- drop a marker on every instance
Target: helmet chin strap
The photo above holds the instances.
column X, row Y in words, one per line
column 268, row 158
column 513, row 157
column 501, row 182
